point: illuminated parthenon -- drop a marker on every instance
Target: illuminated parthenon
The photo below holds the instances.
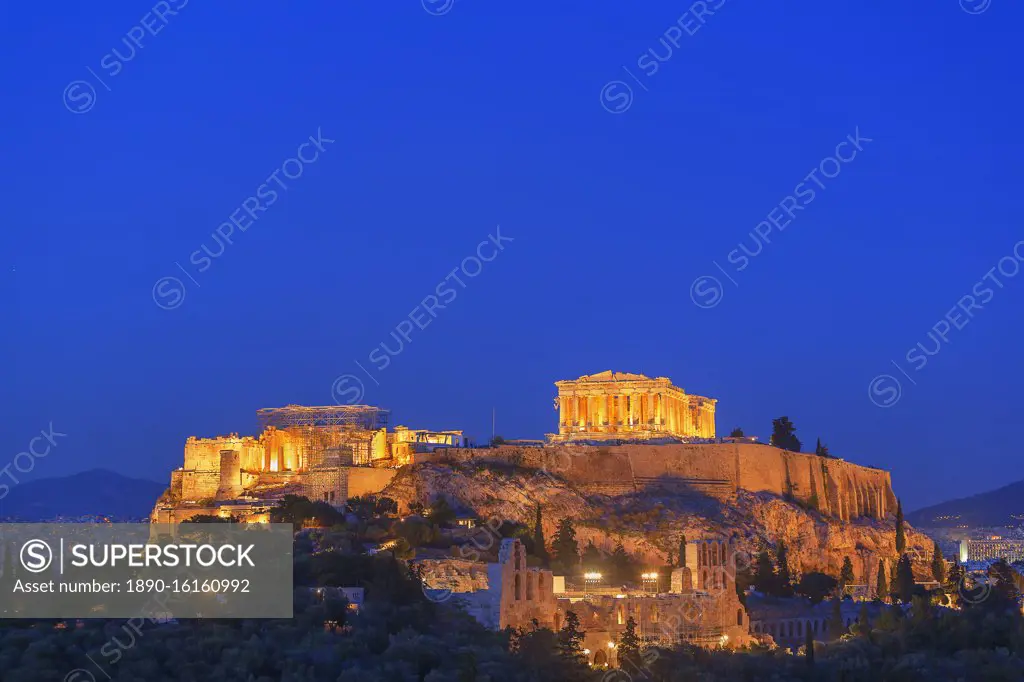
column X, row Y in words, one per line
column 616, row 405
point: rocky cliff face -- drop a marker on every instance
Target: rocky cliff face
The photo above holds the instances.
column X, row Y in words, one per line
column 649, row 523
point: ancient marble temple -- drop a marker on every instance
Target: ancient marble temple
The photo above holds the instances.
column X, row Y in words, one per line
column 616, row 405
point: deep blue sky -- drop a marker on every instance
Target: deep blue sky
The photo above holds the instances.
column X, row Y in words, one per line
column 447, row 126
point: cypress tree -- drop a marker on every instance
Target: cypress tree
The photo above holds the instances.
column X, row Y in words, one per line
column 836, row 628
column 881, row 586
column 901, row 539
column 904, row 579
column 894, row 588
column 846, row 574
column 538, row 539
column 954, row 583
column 682, row 550
column 629, row 645
column 764, row 575
column 938, row 565
column 566, row 549
column 570, row 639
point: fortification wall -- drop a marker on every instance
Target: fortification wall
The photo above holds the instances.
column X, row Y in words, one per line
column 365, row 480
column 199, row 485
column 836, row 487
column 203, row 454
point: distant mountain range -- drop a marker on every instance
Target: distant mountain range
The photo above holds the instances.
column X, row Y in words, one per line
column 1001, row 507
column 96, row 491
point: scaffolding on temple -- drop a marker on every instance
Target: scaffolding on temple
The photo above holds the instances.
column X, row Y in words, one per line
column 332, row 435
column 364, row 417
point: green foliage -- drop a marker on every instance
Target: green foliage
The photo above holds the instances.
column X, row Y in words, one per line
column 938, row 565
column 764, row 574
column 629, row 645
column 903, row 580
column 836, row 627
column 300, row 511
column 901, row 538
column 881, row 585
column 682, row 549
column 539, row 550
column 623, row 568
column 210, row 518
column 370, row 506
column 821, row 450
column 846, row 576
column 862, row 628
column 496, row 441
column 1005, row 593
column 565, row 548
column 954, row 584
column 441, row 512
column 570, row 639
column 816, row 586
column 417, row 531
column 592, row 559
column 784, row 435
column 736, row 433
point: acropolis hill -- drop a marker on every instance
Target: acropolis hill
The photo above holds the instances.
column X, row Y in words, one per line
column 623, row 442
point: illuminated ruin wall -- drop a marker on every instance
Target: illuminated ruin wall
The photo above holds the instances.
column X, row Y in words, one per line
column 843, row 490
column 614, row 405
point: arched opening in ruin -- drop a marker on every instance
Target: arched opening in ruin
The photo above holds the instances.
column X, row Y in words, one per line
column 739, row 617
column 519, row 588
column 600, row 658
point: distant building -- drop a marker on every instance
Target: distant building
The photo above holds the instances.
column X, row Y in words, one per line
column 992, row 547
